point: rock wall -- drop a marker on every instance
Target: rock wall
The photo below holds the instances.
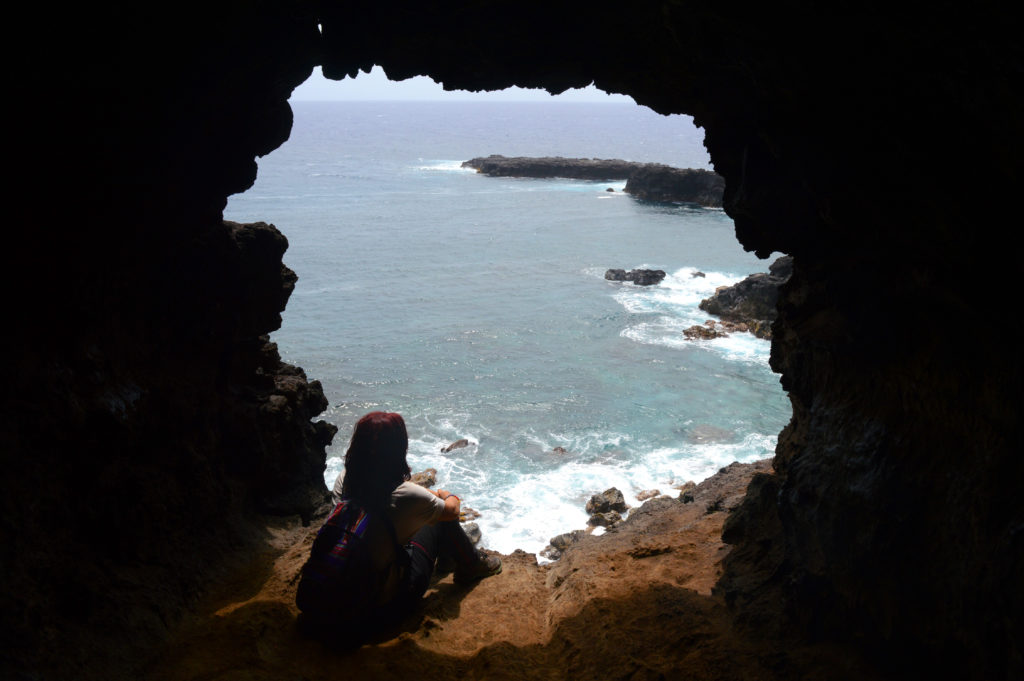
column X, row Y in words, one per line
column 877, row 147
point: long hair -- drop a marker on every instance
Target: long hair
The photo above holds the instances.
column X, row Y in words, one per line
column 375, row 462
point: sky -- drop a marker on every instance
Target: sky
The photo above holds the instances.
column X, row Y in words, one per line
column 376, row 86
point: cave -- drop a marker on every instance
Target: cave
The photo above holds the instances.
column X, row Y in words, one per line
column 147, row 417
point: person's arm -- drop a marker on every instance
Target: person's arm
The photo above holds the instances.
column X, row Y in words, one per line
column 452, row 505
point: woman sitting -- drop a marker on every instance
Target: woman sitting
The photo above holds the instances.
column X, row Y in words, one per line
column 373, row 559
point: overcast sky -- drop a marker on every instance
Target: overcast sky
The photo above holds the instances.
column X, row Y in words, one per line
column 376, row 86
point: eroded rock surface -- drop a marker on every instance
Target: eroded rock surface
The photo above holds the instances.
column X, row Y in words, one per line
column 878, row 153
column 753, row 301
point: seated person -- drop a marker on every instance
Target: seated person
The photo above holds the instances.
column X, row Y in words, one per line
column 373, row 559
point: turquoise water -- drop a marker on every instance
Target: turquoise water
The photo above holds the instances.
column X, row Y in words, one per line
column 477, row 307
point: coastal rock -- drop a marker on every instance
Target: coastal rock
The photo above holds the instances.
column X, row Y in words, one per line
column 467, row 514
column 472, row 531
column 496, row 165
column 686, row 492
column 647, row 181
column 426, row 478
column 753, row 300
column 638, row 277
column 557, row 545
column 656, row 182
column 698, row 332
column 647, row 494
column 458, row 444
column 609, row 500
column 605, row 519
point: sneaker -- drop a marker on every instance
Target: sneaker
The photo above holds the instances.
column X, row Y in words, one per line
column 485, row 567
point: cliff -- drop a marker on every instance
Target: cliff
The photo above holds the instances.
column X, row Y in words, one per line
column 649, row 181
column 876, row 147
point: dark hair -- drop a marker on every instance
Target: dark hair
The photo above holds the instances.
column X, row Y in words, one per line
column 375, row 462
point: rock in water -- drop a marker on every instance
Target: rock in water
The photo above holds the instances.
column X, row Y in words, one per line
column 607, row 519
column 752, row 301
column 638, row 277
column 458, row 444
column 656, row 182
column 427, row 478
column 472, row 531
column 609, row 500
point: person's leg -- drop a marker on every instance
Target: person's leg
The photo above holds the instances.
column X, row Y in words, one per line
column 470, row 564
column 423, row 551
column 455, row 544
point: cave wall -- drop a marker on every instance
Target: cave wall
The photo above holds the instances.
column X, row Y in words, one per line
column 879, row 148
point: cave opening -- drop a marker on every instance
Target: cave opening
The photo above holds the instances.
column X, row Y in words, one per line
column 477, row 306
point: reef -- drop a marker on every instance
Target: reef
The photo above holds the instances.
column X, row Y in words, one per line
column 146, row 422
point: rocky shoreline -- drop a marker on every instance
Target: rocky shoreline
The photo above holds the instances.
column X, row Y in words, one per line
column 749, row 305
column 608, row 599
column 647, row 181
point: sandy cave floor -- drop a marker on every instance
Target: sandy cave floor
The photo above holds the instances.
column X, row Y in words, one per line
column 635, row 603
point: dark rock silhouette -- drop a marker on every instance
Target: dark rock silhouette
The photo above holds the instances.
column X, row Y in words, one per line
column 648, row 181
column 752, row 301
column 638, row 277
column 458, row 444
column 655, row 182
column 609, row 500
column 572, row 168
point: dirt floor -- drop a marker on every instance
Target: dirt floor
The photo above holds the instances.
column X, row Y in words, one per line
column 634, row 603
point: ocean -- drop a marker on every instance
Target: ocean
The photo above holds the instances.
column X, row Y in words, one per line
column 477, row 307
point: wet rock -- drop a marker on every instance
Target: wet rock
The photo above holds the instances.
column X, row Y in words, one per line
column 427, row 478
column 458, row 444
column 609, row 500
column 686, row 492
column 753, row 300
column 698, row 274
column 606, row 519
column 638, row 277
column 558, row 545
column 698, row 332
column 472, row 531
column 559, row 450
column 647, row 494
column 468, row 514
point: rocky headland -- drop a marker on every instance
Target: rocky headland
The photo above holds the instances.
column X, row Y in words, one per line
column 648, row 181
column 749, row 305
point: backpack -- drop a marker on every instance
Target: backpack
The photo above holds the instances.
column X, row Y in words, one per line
column 339, row 583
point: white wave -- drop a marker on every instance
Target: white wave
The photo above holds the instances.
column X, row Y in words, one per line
column 528, row 513
column 675, row 301
column 446, row 166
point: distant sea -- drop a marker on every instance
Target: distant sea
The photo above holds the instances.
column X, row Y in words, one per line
column 477, row 307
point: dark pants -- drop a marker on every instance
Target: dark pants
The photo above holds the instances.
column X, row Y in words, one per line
column 446, row 539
